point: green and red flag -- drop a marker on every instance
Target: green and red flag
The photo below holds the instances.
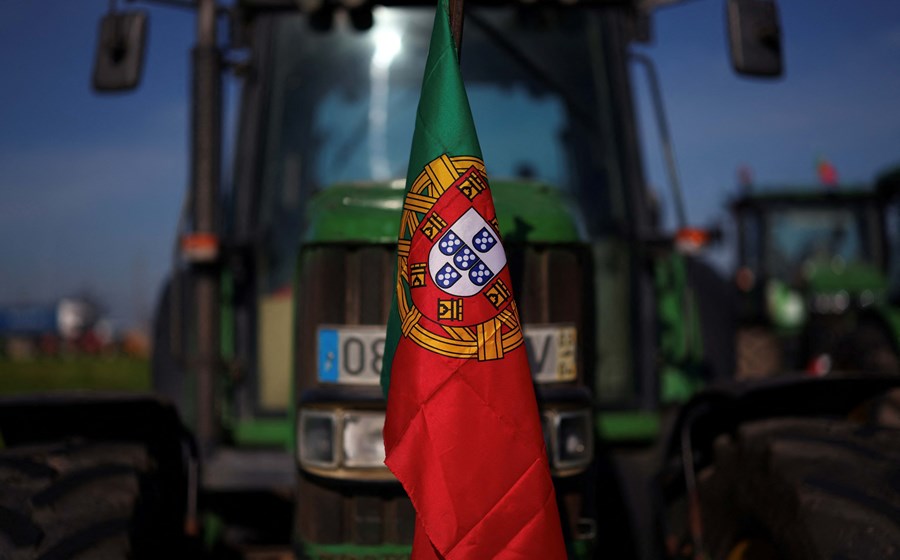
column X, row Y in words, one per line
column 463, row 432
column 828, row 174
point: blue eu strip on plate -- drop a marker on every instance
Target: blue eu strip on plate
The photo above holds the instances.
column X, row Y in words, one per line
column 328, row 355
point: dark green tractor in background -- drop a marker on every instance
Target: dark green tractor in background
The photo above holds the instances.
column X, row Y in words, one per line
column 814, row 281
column 798, row 459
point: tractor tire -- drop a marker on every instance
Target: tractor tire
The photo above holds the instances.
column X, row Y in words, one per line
column 758, row 352
column 804, row 489
column 79, row 499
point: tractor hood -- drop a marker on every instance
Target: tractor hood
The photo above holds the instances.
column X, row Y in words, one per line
column 851, row 278
column 825, row 290
column 527, row 211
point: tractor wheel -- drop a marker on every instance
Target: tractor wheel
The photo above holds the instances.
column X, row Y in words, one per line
column 82, row 500
column 803, row 488
column 758, row 353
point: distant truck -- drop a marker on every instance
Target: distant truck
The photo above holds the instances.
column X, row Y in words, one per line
column 813, row 281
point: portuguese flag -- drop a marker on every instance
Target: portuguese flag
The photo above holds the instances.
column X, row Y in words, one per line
column 462, row 433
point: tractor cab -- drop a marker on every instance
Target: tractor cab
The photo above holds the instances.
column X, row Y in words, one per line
column 811, row 267
column 333, row 103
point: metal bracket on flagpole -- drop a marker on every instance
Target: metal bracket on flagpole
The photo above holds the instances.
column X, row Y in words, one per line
column 456, row 24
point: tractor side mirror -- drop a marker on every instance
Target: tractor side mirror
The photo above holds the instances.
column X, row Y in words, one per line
column 754, row 34
column 120, row 51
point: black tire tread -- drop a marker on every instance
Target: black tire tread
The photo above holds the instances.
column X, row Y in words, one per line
column 19, row 528
column 816, row 488
column 89, row 538
column 60, row 500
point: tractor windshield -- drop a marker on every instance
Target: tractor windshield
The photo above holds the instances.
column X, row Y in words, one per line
column 803, row 238
column 341, row 102
column 345, row 100
column 334, row 105
column 349, row 102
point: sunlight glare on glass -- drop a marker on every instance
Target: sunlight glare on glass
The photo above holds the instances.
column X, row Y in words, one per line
column 387, row 46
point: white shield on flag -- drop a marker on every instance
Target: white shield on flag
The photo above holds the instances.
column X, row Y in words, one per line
column 467, row 256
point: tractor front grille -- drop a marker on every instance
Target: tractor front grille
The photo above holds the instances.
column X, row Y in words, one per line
column 353, row 285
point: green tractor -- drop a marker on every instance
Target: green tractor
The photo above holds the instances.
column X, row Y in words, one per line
column 264, row 434
column 288, row 403
column 813, row 280
column 270, row 332
column 788, row 465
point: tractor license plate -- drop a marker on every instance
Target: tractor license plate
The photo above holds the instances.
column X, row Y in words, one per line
column 352, row 354
column 551, row 352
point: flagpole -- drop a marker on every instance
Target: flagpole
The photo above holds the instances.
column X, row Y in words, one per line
column 456, row 24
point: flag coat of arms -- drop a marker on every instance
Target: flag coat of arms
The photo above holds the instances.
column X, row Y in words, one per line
column 463, row 432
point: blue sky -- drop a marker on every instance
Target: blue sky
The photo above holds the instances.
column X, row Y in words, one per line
column 838, row 99
column 91, row 186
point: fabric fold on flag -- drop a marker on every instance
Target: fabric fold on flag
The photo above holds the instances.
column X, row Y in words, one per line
column 463, row 431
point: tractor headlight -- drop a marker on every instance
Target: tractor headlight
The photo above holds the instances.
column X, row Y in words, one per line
column 834, row 303
column 340, row 443
column 363, row 442
column 570, row 441
column 785, row 306
column 317, row 443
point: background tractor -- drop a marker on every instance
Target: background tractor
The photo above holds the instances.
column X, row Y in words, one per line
column 814, row 281
column 782, row 465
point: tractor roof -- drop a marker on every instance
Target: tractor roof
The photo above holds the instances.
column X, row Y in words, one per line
column 804, row 196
